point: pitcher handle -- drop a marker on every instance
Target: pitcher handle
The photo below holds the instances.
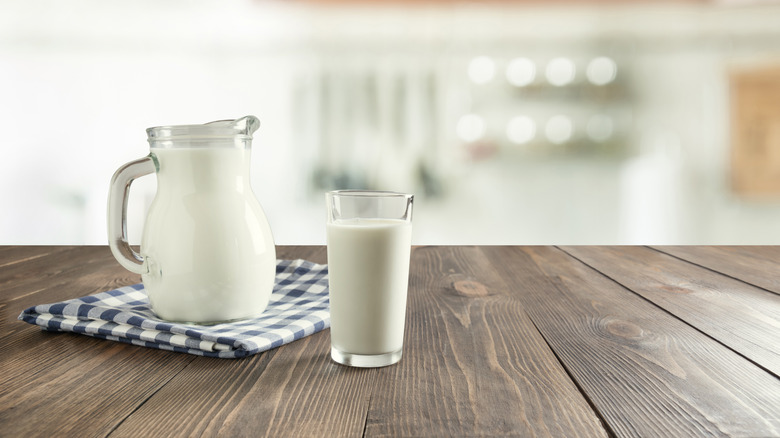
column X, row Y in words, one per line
column 117, row 212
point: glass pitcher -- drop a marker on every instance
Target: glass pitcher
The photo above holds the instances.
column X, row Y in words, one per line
column 207, row 254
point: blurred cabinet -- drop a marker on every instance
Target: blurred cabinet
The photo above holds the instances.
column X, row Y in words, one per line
column 755, row 131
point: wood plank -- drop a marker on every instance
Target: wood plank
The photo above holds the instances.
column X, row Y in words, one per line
column 312, row 253
column 79, row 386
column 647, row 372
column 92, row 273
column 741, row 316
column 83, row 271
column 757, row 265
column 11, row 255
column 55, row 269
column 35, row 263
column 67, row 384
column 91, row 384
column 474, row 364
column 294, row 390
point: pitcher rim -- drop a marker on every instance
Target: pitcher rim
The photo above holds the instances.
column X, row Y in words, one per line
column 241, row 129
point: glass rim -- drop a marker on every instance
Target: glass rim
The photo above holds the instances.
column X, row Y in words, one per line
column 240, row 129
column 369, row 194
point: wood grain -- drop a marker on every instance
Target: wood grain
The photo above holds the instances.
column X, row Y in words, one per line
column 474, row 364
column 500, row 341
column 39, row 268
column 291, row 391
column 79, row 386
column 57, row 276
column 37, row 379
column 647, row 372
column 741, row 316
column 66, row 384
column 15, row 255
column 757, row 265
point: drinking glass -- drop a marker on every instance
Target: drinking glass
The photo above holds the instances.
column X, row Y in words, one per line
column 369, row 236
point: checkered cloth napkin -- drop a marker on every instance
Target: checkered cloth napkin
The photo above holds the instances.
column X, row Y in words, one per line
column 299, row 307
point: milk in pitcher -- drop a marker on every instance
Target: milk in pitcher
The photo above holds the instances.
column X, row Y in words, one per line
column 204, row 237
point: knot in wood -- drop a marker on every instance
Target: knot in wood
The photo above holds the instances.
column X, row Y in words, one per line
column 624, row 329
column 470, row 288
column 676, row 289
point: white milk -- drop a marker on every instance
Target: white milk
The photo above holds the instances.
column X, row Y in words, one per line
column 368, row 269
column 206, row 239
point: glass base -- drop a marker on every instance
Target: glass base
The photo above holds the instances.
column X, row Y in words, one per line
column 365, row 360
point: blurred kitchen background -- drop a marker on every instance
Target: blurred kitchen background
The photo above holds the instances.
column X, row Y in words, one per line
column 513, row 122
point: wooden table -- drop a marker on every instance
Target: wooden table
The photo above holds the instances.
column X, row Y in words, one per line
column 523, row 341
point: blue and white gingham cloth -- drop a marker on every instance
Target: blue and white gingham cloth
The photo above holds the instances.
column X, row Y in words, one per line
column 298, row 307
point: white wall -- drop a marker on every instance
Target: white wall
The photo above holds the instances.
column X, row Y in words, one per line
column 79, row 83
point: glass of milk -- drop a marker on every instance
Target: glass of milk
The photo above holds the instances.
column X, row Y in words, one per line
column 369, row 235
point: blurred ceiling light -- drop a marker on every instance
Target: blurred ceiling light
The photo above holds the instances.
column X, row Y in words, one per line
column 600, row 127
column 521, row 72
column 471, row 127
column 560, row 71
column 559, row 129
column 601, row 70
column 482, row 69
column 521, row 129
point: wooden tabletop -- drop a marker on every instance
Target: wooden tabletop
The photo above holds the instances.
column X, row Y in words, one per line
column 521, row 341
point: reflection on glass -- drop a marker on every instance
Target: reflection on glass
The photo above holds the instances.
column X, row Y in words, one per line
column 482, row 69
column 559, row 129
column 560, row 71
column 600, row 127
column 471, row 127
column 521, row 129
column 601, row 70
column 521, row 72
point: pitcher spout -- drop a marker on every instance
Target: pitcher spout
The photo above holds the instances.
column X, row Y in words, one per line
column 246, row 125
